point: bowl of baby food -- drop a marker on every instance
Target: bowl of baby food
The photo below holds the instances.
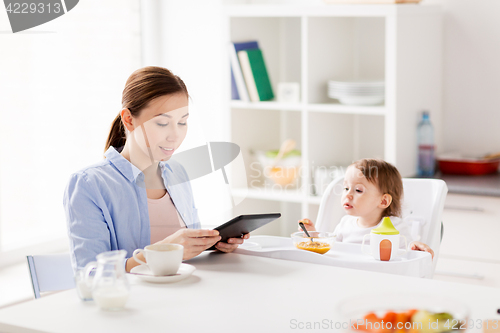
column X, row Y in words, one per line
column 404, row 312
column 320, row 241
column 283, row 172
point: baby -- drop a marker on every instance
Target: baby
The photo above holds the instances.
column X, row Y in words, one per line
column 372, row 190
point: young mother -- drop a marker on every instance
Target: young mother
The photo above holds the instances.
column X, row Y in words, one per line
column 128, row 200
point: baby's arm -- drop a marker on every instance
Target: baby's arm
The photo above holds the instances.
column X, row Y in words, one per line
column 419, row 246
column 405, row 230
column 308, row 224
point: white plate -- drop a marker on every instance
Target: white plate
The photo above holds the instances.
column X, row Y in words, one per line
column 356, row 83
column 361, row 100
column 143, row 272
column 250, row 246
column 338, row 94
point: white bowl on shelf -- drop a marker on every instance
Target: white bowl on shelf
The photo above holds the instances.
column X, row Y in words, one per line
column 361, row 100
column 357, row 83
column 357, row 92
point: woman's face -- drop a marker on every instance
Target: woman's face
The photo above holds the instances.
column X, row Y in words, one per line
column 162, row 126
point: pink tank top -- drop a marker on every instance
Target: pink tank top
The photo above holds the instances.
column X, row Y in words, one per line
column 164, row 219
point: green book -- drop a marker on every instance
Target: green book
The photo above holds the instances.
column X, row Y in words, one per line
column 255, row 74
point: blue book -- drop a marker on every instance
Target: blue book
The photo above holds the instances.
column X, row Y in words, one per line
column 234, row 89
column 238, row 87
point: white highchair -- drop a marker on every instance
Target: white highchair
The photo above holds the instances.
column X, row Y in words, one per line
column 423, row 204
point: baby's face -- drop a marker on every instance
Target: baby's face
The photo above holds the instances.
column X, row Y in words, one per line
column 359, row 196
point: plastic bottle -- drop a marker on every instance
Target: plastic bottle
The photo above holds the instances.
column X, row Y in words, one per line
column 426, row 159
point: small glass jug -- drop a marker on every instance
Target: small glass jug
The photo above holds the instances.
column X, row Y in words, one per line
column 109, row 285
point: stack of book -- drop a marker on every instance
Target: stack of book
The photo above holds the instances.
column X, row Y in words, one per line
column 249, row 78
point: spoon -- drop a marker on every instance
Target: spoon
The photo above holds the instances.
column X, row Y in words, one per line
column 287, row 146
column 303, row 227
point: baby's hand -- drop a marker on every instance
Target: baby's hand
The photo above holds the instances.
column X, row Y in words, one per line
column 308, row 224
column 419, row 246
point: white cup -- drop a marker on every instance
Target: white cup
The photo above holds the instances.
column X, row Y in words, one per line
column 162, row 259
column 288, row 92
column 386, row 251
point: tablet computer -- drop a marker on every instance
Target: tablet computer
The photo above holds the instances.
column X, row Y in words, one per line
column 243, row 224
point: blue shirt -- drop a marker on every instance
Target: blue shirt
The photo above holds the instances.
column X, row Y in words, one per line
column 106, row 206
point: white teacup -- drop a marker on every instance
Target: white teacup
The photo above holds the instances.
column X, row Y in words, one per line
column 162, row 259
column 384, row 247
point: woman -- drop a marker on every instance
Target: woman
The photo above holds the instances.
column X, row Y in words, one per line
column 125, row 201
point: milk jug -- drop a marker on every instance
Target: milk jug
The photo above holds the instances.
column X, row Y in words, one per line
column 109, row 285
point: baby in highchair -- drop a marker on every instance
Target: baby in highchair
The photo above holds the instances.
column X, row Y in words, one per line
column 372, row 189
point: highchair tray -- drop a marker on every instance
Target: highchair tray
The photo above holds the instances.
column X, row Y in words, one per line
column 411, row 263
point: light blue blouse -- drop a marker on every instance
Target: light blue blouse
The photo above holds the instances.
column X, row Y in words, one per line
column 106, row 206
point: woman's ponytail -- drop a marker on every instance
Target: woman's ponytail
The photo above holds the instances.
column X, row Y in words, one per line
column 116, row 137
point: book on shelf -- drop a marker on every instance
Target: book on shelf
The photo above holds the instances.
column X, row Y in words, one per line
column 238, row 86
column 255, row 74
column 234, row 88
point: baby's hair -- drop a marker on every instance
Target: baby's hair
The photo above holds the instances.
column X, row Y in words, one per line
column 387, row 178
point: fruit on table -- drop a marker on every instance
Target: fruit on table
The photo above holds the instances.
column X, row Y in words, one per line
column 411, row 321
column 433, row 322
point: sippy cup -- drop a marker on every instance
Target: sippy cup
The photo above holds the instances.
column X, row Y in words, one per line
column 384, row 241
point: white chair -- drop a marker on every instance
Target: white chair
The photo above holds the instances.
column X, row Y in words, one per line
column 422, row 206
column 51, row 272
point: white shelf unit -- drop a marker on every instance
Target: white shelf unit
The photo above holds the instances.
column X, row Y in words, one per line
column 401, row 44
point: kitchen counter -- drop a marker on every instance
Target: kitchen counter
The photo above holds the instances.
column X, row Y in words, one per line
column 476, row 185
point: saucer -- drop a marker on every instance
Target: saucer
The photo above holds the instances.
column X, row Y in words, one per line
column 250, row 246
column 143, row 272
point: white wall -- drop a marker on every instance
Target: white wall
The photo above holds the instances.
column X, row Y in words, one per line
column 60, row 89
column 190, row 45
column 471, row 75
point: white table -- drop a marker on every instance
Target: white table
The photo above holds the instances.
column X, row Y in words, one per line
column 231, row 293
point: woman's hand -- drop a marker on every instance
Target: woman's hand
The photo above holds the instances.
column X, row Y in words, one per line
column 419, row 246
column 232, row 244
column 308, row 224
column 195, row 241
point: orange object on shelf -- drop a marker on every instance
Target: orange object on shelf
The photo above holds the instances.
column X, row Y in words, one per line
column 284, row 175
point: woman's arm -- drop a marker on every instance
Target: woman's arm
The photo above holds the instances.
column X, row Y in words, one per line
column 87, row 228
column 405, row 230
